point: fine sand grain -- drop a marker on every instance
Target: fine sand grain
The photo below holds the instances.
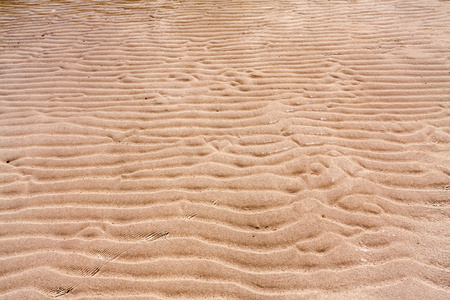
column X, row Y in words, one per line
column 225, row 149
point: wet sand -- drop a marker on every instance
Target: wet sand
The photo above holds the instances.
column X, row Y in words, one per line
column 225, row 149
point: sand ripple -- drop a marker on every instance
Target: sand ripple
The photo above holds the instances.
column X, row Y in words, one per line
column 225, row 149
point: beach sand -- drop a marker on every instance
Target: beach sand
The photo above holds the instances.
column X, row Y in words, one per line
column 225, row 149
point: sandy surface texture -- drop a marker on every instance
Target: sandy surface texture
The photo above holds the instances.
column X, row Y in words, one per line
column 225, row 149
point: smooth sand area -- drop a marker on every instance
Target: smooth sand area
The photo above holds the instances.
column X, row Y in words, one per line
column 225, row 149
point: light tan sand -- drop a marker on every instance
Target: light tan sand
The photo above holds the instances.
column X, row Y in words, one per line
column 225, row 149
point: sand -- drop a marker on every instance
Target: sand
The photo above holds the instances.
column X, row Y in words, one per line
column 225, row 149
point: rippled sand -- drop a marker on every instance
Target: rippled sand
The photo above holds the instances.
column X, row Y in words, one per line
column 225, row 149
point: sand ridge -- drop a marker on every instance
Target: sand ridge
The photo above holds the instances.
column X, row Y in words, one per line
column 224, row 149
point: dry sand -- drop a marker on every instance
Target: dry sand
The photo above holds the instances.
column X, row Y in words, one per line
column 225, row 149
